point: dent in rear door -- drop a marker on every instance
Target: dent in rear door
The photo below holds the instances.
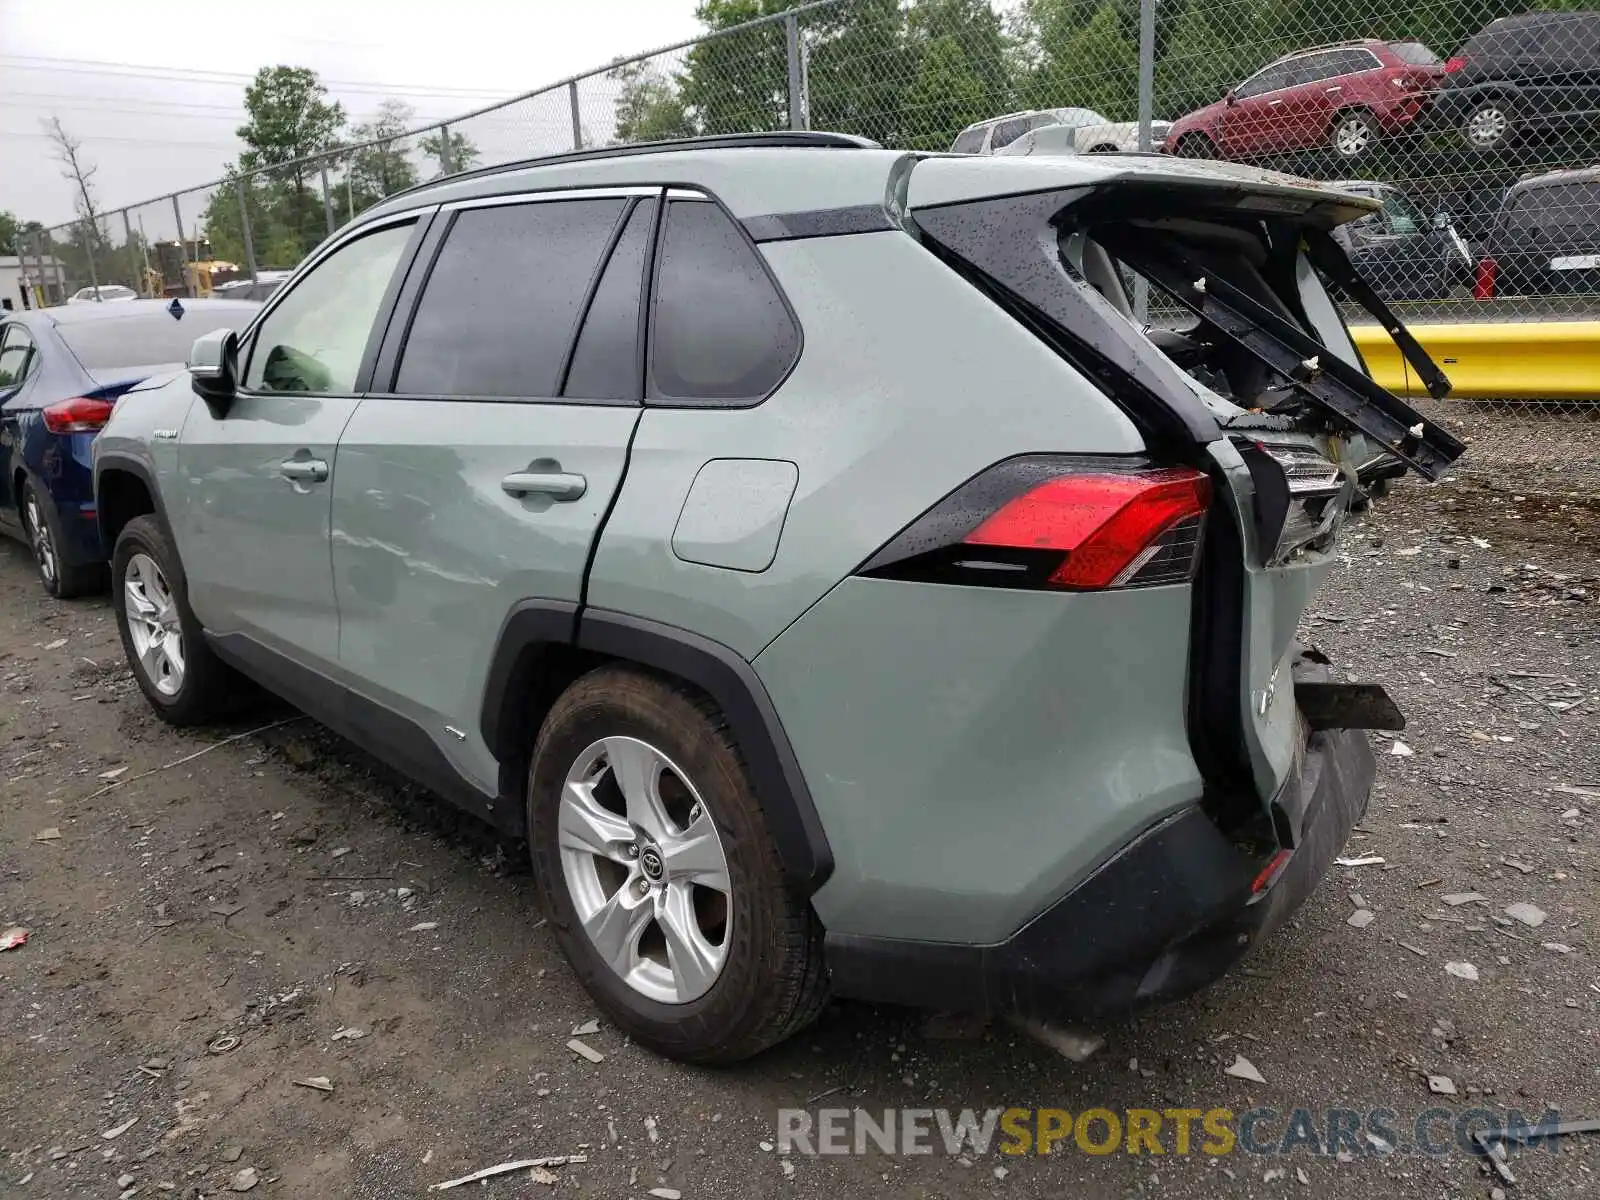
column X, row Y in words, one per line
column 438, row 531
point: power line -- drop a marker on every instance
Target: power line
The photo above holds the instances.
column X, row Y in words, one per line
column 80, row 66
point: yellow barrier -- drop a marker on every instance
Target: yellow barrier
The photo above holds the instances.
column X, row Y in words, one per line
column 1536, row 360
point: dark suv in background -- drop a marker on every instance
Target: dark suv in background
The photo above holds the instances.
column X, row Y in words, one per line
column 1539, row 70
column 1546, row 238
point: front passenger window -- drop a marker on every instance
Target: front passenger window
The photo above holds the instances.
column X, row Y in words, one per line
column 315, row 339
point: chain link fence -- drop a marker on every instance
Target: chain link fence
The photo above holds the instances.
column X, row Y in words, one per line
column 1475, row 125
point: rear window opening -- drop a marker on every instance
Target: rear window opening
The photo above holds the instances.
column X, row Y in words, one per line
column 1414, row 54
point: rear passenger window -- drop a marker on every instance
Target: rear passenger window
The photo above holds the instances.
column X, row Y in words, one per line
column 1008, row 131
column 969, row 142
column 720, row 332
column 605, row 365
column 500, row 306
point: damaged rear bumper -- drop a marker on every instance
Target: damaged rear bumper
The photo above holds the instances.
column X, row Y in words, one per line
column 1165, row 916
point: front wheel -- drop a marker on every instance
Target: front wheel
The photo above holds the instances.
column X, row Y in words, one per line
column 660, row 876
column 176, row 670
column 1354, row 133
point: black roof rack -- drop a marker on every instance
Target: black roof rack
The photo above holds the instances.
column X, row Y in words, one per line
column 793, row 139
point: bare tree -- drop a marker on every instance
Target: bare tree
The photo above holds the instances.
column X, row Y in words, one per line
column 80, row 173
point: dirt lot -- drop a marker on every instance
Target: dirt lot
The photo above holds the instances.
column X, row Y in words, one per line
column 281, row 888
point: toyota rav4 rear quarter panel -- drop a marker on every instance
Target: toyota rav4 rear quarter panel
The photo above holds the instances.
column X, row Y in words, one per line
column 910, row 383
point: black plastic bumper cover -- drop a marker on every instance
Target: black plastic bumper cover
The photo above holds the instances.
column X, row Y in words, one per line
column 1164, row 917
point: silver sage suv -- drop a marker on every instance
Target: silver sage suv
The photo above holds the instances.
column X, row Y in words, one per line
column 803, row 545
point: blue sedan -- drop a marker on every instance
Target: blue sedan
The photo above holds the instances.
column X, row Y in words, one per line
column 61, row 372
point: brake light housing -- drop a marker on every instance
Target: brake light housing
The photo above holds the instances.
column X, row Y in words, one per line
column 81, row 414
column 1057, row 523
column 1454, row 63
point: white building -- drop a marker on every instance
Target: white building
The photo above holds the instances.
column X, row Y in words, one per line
column 45, row 280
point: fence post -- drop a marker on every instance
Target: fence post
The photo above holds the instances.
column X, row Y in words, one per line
column 445, row 165
column 244, row 227
column 1147, row 93
column 327, row 197
column 577, row 123
column 134, row 253
column 797, row 108
column 92, row 236
column 183, row 248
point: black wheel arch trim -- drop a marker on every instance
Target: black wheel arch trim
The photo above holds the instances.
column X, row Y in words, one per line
column 720, row 672
column 129, row 465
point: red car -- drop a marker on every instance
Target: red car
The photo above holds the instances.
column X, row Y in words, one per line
column 1341, row 97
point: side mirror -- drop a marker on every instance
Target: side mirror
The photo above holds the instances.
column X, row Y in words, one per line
column 1441, row 220
column 213, row 369
column 1230, row 99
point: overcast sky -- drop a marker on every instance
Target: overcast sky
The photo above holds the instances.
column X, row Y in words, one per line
column 154, row 88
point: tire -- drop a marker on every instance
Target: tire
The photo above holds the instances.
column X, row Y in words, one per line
column 1102, row 150
column 1354, row 133
column 42, row 525
column 1490, row 124
column 764, row 941
column 193, row 686
column 1196, row 145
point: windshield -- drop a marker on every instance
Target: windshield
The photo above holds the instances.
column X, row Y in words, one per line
column 143, row 339
column 1403, row 215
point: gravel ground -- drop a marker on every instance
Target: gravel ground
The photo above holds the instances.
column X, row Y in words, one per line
column 282, row 887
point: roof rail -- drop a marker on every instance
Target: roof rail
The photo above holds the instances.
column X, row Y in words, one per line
column 784, row 138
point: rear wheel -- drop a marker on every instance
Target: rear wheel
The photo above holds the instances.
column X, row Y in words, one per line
column 1354, row 133
column 183, row 680
column 42, row 525
column 1196, row 145
column 659, row 875
column 1489, row 125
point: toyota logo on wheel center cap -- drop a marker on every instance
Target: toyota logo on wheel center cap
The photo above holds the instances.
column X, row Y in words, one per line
column 650, row 860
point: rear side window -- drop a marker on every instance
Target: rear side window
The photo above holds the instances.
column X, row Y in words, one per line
column 970, row 141
column 16, row 348
column 720, row 331
column 503, row 299
column 605, row 363
column 1414, row 54
column 1008, row 131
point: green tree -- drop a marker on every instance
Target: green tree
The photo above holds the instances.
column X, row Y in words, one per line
column 648, row 107
column 1091, row 63
column 857, row 64
column 452, row 151
column 383, row 169
column 1206, row 55
column 961, row 59
column 289, row 118
column 738, row 83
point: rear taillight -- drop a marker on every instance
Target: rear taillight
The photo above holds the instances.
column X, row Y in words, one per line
column 1454, row 64
column 1049, row 522
column 81, row 414
column 1298, row 497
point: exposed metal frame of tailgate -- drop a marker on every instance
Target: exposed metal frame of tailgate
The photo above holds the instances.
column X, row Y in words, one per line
column 1316, row 373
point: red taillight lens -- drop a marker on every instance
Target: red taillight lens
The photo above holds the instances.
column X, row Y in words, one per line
column 1054, row 522
column 1454, row 64
column 1108, row 525
column 1271, row 871
column 81, row 414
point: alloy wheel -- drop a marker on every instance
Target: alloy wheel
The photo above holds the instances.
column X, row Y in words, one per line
column 646, row 870
column 44, row 549
column 1488, row 125
column 153, row 624
column 1352, row 136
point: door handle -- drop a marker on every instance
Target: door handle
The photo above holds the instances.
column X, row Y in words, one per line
column 556, row 484
column 310, row 470
column 1274, row 103
column 1333, row 91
